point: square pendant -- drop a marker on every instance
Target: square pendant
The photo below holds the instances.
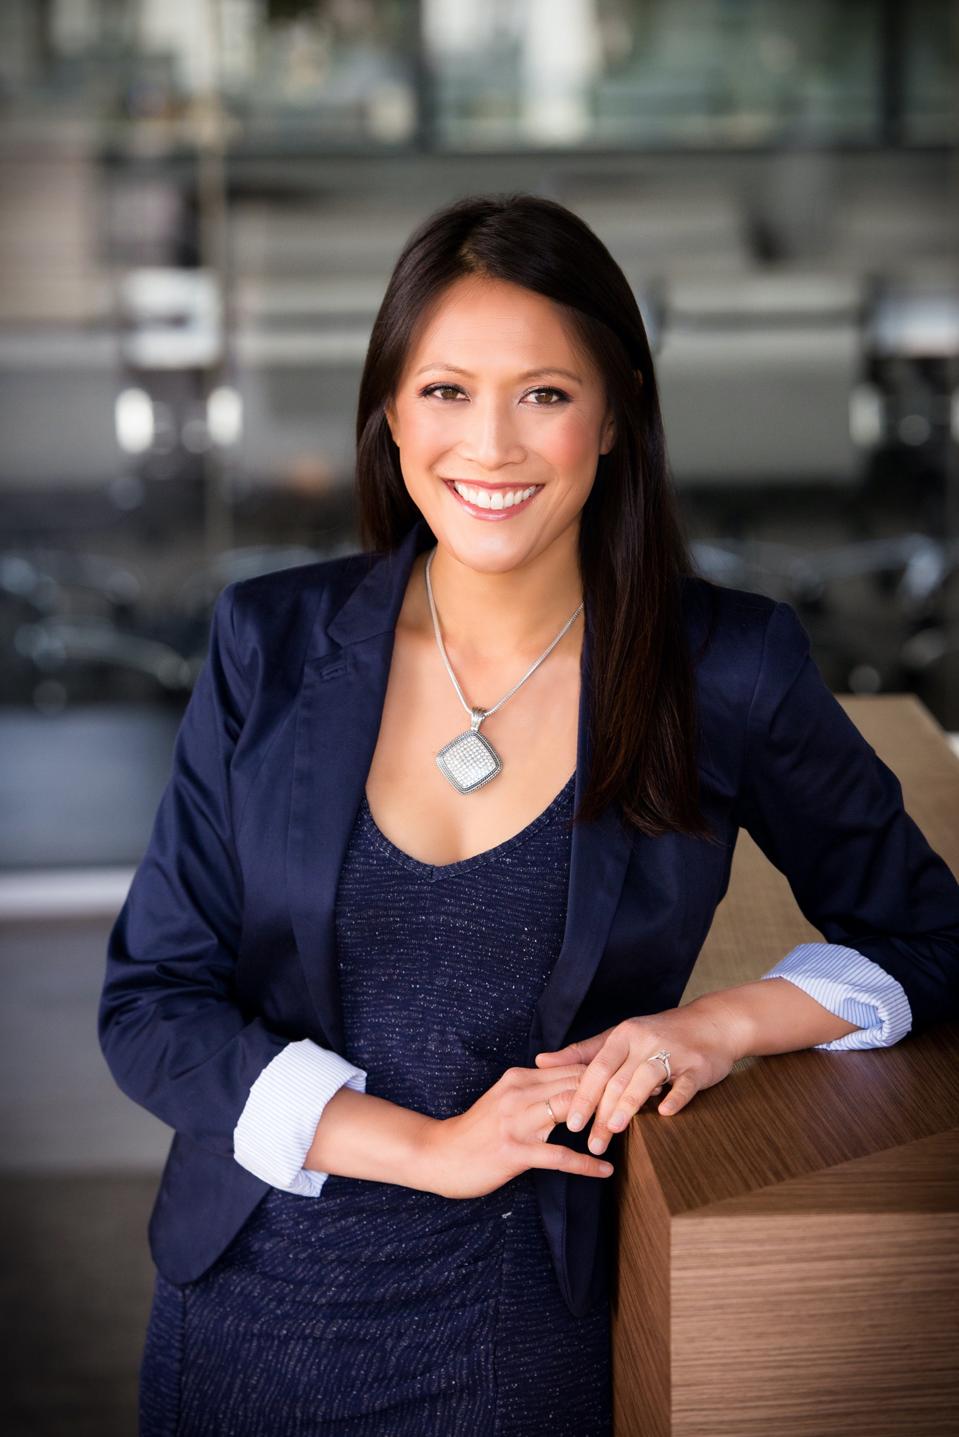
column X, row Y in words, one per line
column 469, row 760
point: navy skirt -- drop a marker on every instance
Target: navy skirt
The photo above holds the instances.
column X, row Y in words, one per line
column 375, row 1310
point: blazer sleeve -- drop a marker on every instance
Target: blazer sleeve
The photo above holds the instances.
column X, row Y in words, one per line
column 829, row 814
column 169, row 1026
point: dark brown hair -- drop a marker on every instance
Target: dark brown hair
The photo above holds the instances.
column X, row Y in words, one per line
column 642, row 724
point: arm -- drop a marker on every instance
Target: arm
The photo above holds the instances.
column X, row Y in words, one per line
column 829, row 814
column 280, row 1136
column 363, row 1136
column 775, row 1017
column 871, row 1001
column 278, row 1122
column 169, row 1025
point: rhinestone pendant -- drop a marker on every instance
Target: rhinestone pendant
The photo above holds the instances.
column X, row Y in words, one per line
column 469, row 760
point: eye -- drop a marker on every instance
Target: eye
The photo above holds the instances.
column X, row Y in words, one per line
column 557, row 396
column 436, row 388
column 560, row 397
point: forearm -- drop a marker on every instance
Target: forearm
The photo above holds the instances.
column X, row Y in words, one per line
column 772, row 1016
column 362, row 1136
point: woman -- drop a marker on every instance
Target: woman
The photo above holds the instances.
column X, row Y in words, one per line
column 447, row 825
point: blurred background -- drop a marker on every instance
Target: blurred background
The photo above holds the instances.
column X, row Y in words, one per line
column 201, row 203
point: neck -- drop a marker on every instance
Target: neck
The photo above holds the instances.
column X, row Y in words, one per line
column 492, row 618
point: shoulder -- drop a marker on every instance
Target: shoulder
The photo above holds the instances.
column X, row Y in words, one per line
column 708, row 606
column 274, row 615
column 738, row 638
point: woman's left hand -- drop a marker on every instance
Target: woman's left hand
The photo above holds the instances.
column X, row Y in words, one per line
column 619, row 1078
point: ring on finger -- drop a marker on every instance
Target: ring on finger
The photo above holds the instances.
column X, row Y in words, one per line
column 662, row 1057
column 553, row 1119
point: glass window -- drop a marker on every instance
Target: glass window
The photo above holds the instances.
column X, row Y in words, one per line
column 654, row 72
column 930, row 67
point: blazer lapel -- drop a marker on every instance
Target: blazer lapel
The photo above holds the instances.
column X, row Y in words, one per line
column 337, row 724
column 599, row 856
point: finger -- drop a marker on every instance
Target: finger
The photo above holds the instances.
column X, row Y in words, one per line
column 544, row 1154
column 520, row 1077
column 679, row 1095
column 567, row 1160
column 606, row 1070
column 582, row 1052
column 614, row 1113
column 642, row 1081
column 561, row 1074
column 535, row 1121
column 560, row 1091
column 624, row 1095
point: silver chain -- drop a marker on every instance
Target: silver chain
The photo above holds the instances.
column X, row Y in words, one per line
column 470, row 709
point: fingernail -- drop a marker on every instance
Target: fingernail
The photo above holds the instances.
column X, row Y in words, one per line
column 574, row 1122
column 606, row 1169
column 617, row 1120
column 596, row 1145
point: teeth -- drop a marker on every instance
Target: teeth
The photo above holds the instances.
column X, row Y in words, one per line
column 495, row 499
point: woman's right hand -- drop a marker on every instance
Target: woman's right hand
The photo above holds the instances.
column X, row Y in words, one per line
column 503, row 1134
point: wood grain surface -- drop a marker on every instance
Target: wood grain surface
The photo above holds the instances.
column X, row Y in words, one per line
column 788, row 1244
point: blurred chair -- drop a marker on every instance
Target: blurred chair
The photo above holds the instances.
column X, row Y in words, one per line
column 789, row 380
column 658, row 229
column 298, row 392
column 199, row 591
column 757, row 378
column 58, row 388
column 906, row 231
column 80, row 650
column 344, row 235
column 50, row 637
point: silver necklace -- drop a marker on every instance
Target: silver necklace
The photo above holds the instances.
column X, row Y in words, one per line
column 469, row 760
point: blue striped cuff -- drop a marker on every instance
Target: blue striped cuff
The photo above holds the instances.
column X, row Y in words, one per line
column 852, row 987
column 278, row 1123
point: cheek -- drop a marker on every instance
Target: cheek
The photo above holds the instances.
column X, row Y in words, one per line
column 570, row 444
column 425, row 430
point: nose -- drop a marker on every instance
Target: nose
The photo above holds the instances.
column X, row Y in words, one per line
column 490, row 437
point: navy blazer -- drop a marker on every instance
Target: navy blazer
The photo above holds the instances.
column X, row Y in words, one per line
column 224, row 949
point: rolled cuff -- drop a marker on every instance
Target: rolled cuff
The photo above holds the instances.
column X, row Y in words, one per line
column 852, row 987
column 277, row 1126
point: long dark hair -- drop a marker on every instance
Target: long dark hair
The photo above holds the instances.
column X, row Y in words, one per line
column 642, row 724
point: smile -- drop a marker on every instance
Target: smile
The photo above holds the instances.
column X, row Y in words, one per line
column 492, row 503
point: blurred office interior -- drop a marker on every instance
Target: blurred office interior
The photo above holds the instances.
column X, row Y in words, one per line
column 201, row 203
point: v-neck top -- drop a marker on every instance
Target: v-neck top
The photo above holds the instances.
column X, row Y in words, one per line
column 433, row 871
column 394, row 1310
column 456, row 954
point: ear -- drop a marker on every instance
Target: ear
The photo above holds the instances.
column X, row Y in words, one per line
column 609, row 434
column 389, row 412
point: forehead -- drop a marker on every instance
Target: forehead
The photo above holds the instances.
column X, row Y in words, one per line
column 516, row 322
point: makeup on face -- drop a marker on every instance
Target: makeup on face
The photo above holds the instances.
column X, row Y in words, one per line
column 492, row 501
column 498, row 406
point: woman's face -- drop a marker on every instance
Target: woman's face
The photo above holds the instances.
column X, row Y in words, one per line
column 495, row 396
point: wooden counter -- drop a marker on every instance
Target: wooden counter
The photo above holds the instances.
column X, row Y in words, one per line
column 789, row 1242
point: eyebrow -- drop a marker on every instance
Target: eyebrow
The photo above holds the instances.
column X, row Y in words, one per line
column 529, row 373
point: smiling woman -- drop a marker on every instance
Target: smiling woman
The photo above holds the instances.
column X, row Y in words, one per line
column 509, row 378
column 495, row 442
column 490, row 500
column 379, row 974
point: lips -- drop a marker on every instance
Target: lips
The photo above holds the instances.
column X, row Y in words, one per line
column 492, row 514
